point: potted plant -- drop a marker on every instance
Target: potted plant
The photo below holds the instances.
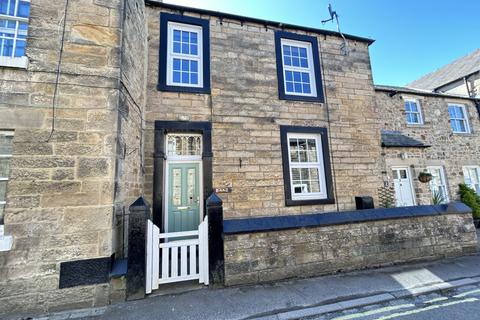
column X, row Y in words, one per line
column 437, row 197
column 425, row 177
column 471, row 199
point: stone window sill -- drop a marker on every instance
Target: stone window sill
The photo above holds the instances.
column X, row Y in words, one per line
column 14, row 62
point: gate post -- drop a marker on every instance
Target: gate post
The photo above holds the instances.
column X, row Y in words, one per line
column 215, row 239
column 137, row 231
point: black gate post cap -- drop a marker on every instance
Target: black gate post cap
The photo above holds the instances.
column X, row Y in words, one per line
column 139, row 204
column 214, row 200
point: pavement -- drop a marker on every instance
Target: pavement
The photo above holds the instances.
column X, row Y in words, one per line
column 313, row 298
column 296, row 299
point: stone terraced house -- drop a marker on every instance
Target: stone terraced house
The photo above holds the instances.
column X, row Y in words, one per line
column 256, row 143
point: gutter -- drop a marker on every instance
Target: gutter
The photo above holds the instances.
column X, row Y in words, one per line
column 280, row 25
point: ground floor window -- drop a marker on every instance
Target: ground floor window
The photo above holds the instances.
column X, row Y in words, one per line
column 471, row 176
column 6, row 138
column 438, row 184
column 306, row 165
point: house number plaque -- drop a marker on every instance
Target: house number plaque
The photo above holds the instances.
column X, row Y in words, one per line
column 223, row 190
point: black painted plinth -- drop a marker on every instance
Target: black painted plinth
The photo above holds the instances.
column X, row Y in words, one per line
column 137, row 232
column 215, row 239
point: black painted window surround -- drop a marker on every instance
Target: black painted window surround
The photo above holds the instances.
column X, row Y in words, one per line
column 311, row 42
column 189, row 45
column 322, row 133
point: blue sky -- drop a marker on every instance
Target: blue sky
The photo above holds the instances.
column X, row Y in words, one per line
column 413, row 37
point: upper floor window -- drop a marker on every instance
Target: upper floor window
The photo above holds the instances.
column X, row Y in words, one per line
column 13, row 32
column 298, row 67
column 184, row 54
column 458, row 118
column 413, row 113
column 306, row 165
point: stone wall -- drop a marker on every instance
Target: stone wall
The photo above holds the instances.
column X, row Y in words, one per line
column 246, row 114
column 303, row 252
column 447, row 149
column 130, row 158
column 62, row 184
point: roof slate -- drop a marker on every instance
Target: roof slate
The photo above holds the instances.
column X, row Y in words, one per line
column 395, row 139
column 451, row 72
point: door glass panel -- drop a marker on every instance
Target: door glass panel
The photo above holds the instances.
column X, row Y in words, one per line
column 403, row 174
column 177, row 187
column 395, row 174
column 191, row 186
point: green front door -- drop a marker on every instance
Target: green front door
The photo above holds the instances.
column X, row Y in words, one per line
column 183, row 197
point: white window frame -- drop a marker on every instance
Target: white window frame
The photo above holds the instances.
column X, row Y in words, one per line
column 419, row 111
column 310, row 69
column 171, row 55
column 319, row 164
column 17, row 62
column 430, row 169
column 477, row 169
column 465, row 114
column 5, row 156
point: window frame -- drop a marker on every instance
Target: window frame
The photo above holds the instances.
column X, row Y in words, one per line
column 12, row 61
column 419, row 111
column 443, row 177
column 9, row 133
column 172, row 55
column 314, row 61
column 465, row 114
column 166, row 54
column 477, row 169
column 323, row 157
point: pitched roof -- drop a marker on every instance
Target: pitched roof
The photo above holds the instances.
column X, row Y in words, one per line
column 395, row 139
column 281, row 25
column 428, row 93
column 455, row 70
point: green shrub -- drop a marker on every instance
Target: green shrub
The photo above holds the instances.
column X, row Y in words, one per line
column 470, row 198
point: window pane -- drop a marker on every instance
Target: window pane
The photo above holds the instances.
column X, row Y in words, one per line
column 176, row 64
column 305, row 77
column 23, row 9
column 305, row 180
column 185, row 65
column 289, row 87
column 295, row 52
column 184, row 145
column 176, row 76
column 193, row 38
column 286, row 50
column 194, row 78
column 193, row 49
column 306, row 88
column 451, row 111
column 298, row 87
column 294, row 156
column 288, row 75
column 303, row 52
column 193, row 66
column 407, row 106
column 295, row 62
column 414, row 118
column 20, row 48
column 2, row 209
column 185, row 36
column 304, row 63
column 185, row 77
column 176, row 47
column 176, row 35
column 185, row 48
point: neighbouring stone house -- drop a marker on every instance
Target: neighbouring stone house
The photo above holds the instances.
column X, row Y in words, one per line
column 103, row 102
column 428, row 131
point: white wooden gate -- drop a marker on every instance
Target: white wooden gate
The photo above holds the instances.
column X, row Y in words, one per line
column 176, row 256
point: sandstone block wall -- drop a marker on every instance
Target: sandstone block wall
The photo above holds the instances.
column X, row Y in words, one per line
column 269, row 256
column 246, row 114
column 447, row 149
column 62, row 188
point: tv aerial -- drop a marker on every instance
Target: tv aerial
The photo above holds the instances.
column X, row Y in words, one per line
column 334, row 18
